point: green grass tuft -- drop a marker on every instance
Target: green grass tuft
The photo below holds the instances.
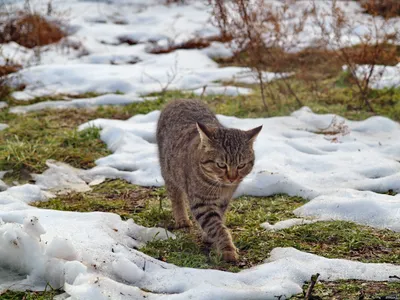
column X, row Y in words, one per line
column 28, row 295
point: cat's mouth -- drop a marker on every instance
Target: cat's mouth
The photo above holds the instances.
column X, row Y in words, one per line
column 226, row 181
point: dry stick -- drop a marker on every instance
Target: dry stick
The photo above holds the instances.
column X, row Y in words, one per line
column 260, row 79
column 313, row 281
column 277, row 101
column 285, row 81
column 243, row 12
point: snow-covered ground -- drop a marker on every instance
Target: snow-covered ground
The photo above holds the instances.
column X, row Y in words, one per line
column 341, row 166
column 94, row 57
column 93, row 256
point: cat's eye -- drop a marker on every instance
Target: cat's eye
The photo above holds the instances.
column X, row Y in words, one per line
column 241, row 166
column 221, row 165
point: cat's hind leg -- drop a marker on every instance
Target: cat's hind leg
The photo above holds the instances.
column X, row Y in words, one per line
column 178, row 200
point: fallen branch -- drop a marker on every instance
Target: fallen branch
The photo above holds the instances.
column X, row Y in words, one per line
column 314, row 279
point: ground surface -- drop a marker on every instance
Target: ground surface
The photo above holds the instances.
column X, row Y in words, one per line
column 35, row 137
column 150, row 206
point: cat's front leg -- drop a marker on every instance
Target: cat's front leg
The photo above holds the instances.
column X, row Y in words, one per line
column 210, row 219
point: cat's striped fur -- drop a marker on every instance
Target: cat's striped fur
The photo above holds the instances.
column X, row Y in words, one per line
column 202, row 164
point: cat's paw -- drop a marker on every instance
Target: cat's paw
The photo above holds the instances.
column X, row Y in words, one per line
column 183, row 224
column 230, row 256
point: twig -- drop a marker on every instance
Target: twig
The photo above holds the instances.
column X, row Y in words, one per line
column 394, row 277
column 203, row 92
column 171, row 76
column 314, row 279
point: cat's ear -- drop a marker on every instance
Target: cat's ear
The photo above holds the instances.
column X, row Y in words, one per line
column 252, row 133
column 204, row 132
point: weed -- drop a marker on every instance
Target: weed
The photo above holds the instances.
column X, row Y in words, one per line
column 30, row 30
column 384, row 8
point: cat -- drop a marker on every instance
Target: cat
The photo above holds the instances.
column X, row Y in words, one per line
column 202, row 163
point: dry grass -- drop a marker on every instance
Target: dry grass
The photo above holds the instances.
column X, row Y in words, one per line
column 315, row 63
column 6, row 69
column 384, row 8
column 174, row 1
column 263, row 41
column 30, row 30
column 195, row 43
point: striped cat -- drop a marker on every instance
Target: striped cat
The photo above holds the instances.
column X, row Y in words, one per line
column 202, row 164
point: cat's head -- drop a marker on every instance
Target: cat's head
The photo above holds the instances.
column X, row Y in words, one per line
column 226, row 154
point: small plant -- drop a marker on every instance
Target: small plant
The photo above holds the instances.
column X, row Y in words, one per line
column 268, row 36
column 384, row 8
column 374, row 46
column 30, row 30
column 175, row 1
column 7, row 68
column 259, row 31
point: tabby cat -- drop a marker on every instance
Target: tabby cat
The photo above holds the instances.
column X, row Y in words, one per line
column 202, row 164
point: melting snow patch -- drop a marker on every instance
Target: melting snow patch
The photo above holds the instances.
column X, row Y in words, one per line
column 61, row 178
column 181, row 70
column 222, row 90
column 3, row 126
column 281, row 276
column 286, row 224
column 110, row 99
column 368, row 208
column 56, row 247
column 382, row 76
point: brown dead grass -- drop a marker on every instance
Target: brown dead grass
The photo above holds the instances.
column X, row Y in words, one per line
column 314, row 63
column 5, row 89
column 8, row 69
column 384, row 8
column 353, row 290
column 175, row 1
column 127, row 40
column 195, row 43
column 31, row 30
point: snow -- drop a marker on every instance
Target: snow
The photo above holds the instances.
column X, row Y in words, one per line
column 55, row 246
column 109, row 99
column 286, row 224
column 180, row 70
column 282, row 275
column 95, row 58
column 222, row 90
column 382, row 211
column 382, row 76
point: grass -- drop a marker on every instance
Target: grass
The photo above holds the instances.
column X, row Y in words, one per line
column 33, row 138
column 13, row 102
column 354, row 290
column 28, row 295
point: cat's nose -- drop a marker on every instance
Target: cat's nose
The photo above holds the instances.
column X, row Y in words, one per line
column 232, row 179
